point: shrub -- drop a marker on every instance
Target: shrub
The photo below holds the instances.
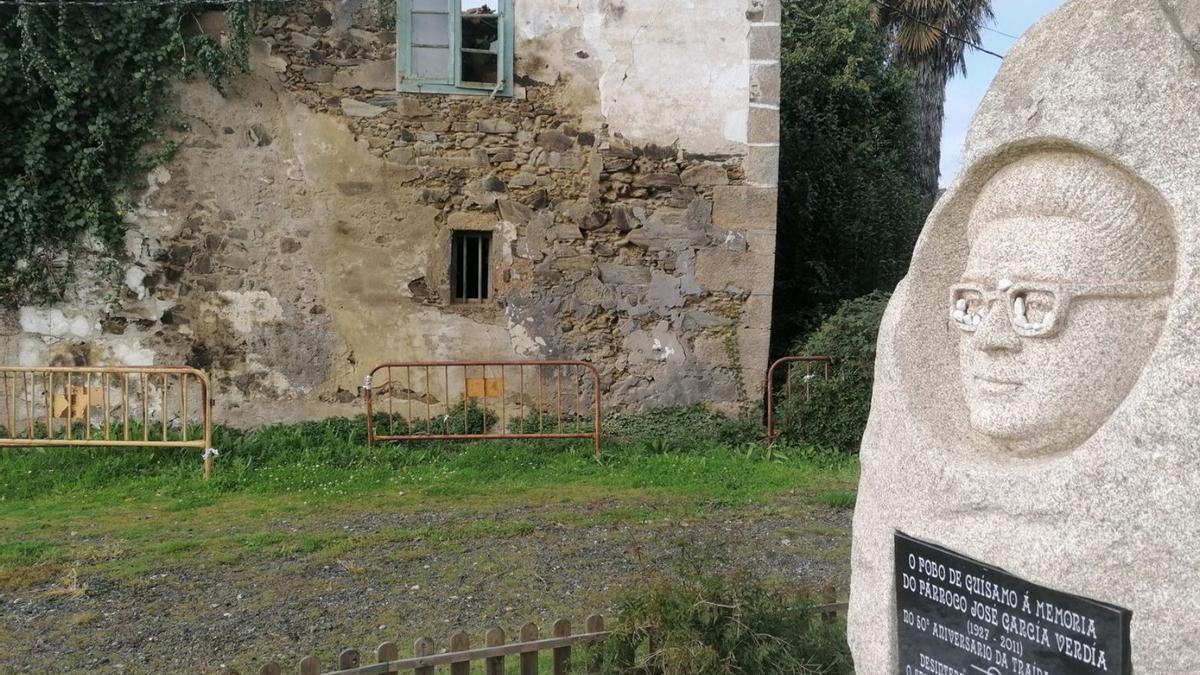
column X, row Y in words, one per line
column 705, row 624
column 686, row 424
column 464, row 418
column 834, row 415
column 537, row 422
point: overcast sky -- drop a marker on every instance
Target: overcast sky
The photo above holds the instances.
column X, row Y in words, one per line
column 963, row 94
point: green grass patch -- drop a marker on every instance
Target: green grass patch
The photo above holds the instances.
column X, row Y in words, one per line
column 26, row 553
column 836, row 499
column 126, row 511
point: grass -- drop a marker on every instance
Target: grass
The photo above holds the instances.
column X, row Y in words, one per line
column 329, row 460
column 284, row 501
column 131, row 509
column 836, row 499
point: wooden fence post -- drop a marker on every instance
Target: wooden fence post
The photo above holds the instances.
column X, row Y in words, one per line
column 529, row 660
column 562, row 655
column 271, row 668
column 494, row 665
column 460, row 642
column 595, row 660
column 348, row 659
column 387, row 651
column 424, row 647
column 310, row 665
column 830, row 614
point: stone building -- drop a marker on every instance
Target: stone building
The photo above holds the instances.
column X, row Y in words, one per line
column 445, row 179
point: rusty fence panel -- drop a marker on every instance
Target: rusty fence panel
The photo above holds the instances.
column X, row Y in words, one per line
column 483, row 400
column 130, row 406
column 798, row 374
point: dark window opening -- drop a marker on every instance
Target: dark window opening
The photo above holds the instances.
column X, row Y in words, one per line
column 470, row 267
column 480, row 43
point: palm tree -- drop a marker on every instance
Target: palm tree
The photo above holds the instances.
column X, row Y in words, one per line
column 931, row 37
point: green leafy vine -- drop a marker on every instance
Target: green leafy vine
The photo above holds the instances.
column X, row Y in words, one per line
column 733, row 354
column 85, row 91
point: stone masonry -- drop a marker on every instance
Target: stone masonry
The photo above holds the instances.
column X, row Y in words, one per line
column 302, row 233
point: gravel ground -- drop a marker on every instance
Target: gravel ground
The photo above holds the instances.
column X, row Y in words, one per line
column 528, row 563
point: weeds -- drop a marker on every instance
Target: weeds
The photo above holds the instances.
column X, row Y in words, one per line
column 696, row 621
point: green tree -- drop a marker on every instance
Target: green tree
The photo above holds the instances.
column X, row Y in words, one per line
column 850, row 207
column 931, row 37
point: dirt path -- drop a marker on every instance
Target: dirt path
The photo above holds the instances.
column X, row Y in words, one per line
column 358, row 579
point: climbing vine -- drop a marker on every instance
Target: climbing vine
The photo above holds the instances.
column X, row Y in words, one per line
column 733, row 354
column 85, row 93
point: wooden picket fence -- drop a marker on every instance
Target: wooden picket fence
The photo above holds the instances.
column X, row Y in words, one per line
column 528, row 648
column 460, row 656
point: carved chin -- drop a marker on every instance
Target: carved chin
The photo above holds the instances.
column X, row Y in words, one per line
column 1000, row 424
column 1014, row 430
column 1002, row 413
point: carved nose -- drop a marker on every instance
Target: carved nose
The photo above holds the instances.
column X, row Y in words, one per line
column 995, row 332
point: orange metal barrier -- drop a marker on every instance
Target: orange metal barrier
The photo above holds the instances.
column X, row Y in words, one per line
column 157, row 407
column 812, row 367
column 495, row 400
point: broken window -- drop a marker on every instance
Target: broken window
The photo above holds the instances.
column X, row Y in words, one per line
column 455, row 46
column 470, row 266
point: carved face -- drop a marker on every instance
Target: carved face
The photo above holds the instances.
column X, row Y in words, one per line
column 1062, row 300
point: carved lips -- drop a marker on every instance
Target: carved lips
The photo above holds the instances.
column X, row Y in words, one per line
column 994, row 384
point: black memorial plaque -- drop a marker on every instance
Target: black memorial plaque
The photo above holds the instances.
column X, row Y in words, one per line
column 958, row 616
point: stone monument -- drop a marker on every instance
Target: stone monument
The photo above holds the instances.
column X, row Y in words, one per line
column 1037, row 391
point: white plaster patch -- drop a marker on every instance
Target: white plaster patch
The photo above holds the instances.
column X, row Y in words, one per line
column 523, row 342
column 54, row 323
column 249, row 309
column 533, row 25
column 131, row 353
column 657, row 345
column 665, row 71
column 135, row 278
column 35, row 320
column 33, row 353
column 737, row 125
column 508, row 233
column 665, row 352
column 80, row 327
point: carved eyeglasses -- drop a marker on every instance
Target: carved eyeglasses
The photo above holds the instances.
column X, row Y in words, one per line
column 1036, row 309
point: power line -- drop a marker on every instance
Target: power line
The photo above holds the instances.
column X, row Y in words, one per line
column 938, row 29
column 1000, row 32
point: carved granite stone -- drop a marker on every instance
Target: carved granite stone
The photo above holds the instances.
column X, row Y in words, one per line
column 1038, row 373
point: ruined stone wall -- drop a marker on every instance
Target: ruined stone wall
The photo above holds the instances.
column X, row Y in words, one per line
column 301, row 235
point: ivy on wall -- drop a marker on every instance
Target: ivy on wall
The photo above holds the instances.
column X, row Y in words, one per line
column 85, row 92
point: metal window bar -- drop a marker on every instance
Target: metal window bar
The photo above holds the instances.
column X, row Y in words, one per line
column 470, row 267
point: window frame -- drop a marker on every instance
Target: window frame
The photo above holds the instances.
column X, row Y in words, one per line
column 485, row 266
column 453, row 83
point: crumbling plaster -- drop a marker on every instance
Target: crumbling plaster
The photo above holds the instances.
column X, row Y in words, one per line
column 300, row 235
column 659, row 72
